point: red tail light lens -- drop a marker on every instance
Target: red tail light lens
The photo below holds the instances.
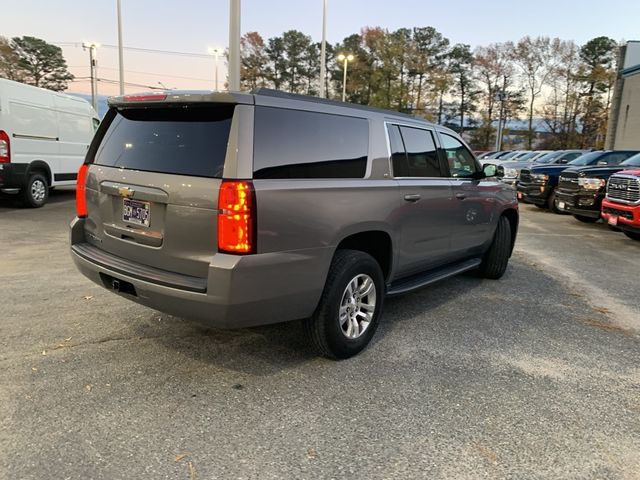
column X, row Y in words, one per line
column 236, row 217
column 81, row 197
column 5, row 147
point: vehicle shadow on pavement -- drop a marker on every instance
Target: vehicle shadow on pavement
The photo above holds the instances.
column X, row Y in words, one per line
column 270, row 349
column 59, row 195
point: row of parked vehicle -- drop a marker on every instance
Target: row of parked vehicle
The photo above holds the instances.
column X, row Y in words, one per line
column 589, row 185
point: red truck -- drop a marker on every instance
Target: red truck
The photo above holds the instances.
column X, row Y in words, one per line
column 621, row 206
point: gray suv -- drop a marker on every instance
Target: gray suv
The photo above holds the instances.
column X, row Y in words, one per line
column 243, row 209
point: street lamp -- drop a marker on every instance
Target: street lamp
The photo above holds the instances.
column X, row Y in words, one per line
column 216, row 53
column 93, row 62
column 346, row 59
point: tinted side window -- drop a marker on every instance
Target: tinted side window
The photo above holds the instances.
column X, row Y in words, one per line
column 614, row 158
column 183, row 141
column 422, row 157
column 298, row 144
column 462, row 164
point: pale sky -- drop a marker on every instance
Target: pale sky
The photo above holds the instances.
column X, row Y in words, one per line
column 194, row 25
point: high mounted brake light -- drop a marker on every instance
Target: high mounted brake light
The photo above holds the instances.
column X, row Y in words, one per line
column 146, row 97
column 81, row 197
column 5, row 147
column 236, row 217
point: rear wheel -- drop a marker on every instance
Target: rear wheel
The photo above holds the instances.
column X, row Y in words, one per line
column 349, row 310
column 35, row 192
column 632, row 235
column 495, row 261
column 584, row 219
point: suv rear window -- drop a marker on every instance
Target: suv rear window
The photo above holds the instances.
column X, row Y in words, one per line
column 299, row 144
column 182, row 141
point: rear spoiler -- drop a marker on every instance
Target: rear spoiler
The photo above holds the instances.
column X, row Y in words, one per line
column 179, row 96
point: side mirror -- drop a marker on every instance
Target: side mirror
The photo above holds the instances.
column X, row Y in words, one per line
column 491, row 170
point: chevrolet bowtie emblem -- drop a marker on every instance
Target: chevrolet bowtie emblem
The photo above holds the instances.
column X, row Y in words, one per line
column 126, row 192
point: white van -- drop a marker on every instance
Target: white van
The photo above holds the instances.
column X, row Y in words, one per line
column 44, row 136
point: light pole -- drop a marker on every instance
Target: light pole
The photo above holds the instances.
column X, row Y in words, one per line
column 93, row 62
column 234, row 45
column 346, row 59
column 501, row 96
column 216, row 53
column 120, row 48
column 323, row 50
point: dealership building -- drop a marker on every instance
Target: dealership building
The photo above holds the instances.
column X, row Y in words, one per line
column 624, row 125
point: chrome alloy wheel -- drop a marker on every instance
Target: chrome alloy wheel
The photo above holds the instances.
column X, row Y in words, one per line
column 38, row 190
column 357, row 306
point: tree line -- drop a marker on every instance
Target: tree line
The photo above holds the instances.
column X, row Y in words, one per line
column 554, row 85
column 35, row 62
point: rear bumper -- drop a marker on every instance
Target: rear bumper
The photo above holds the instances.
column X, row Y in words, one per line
column 586, row 204
column 13, row 175
column 239, row 291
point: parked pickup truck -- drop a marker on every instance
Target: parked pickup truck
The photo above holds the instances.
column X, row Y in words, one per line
column 621, row 206
column 538, row 184
column 581, row 189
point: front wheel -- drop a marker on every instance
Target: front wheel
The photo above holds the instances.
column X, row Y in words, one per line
column 632, row 235
column 35, row 192
column 584, row 219
column 349, row 310
column 495, row 261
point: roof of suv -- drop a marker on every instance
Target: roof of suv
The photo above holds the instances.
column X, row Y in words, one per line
column 252, row 98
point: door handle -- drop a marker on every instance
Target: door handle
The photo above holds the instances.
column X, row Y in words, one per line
column 413, row 197
column 461, row 196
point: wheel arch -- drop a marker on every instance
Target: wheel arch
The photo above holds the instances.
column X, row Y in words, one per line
column 511, row 214
column 42, row 167
column 377, row 243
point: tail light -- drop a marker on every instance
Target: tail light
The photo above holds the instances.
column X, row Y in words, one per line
column 236, row 217
column 81, row 198
column 5, row 147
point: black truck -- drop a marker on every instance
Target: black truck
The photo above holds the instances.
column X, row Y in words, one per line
column 539, row 184
column 581, row 189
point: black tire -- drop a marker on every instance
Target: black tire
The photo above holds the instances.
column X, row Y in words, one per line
column 584, row 219
column 543, row 207
column 551, row 202
column 495, row 261
column 323, row 328
column 632, row 235
column 35, row 192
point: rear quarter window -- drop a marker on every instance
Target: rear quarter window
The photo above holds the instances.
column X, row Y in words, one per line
column 300, row 144
column 177, row 140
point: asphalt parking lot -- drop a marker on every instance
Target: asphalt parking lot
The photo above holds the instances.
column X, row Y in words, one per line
column 533, row 376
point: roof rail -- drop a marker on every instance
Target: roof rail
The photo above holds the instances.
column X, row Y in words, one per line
column 269, row 92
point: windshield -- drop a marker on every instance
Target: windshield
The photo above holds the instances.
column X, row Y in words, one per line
column 549, row 157
column 586, row 159
column 527, row 156
column 508, row 155
column 632, row 162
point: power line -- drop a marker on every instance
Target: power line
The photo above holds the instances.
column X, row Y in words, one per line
column 158, row 74
column 142, row 50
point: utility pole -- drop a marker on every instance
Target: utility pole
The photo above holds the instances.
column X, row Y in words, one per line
column 120, row 48
column 93, row 62
column 323, row 51
column 234, row 45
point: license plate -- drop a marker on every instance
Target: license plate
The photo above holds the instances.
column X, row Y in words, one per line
column 561, row 205
column 613, row 220
column 519, row 195
column 135, row 211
